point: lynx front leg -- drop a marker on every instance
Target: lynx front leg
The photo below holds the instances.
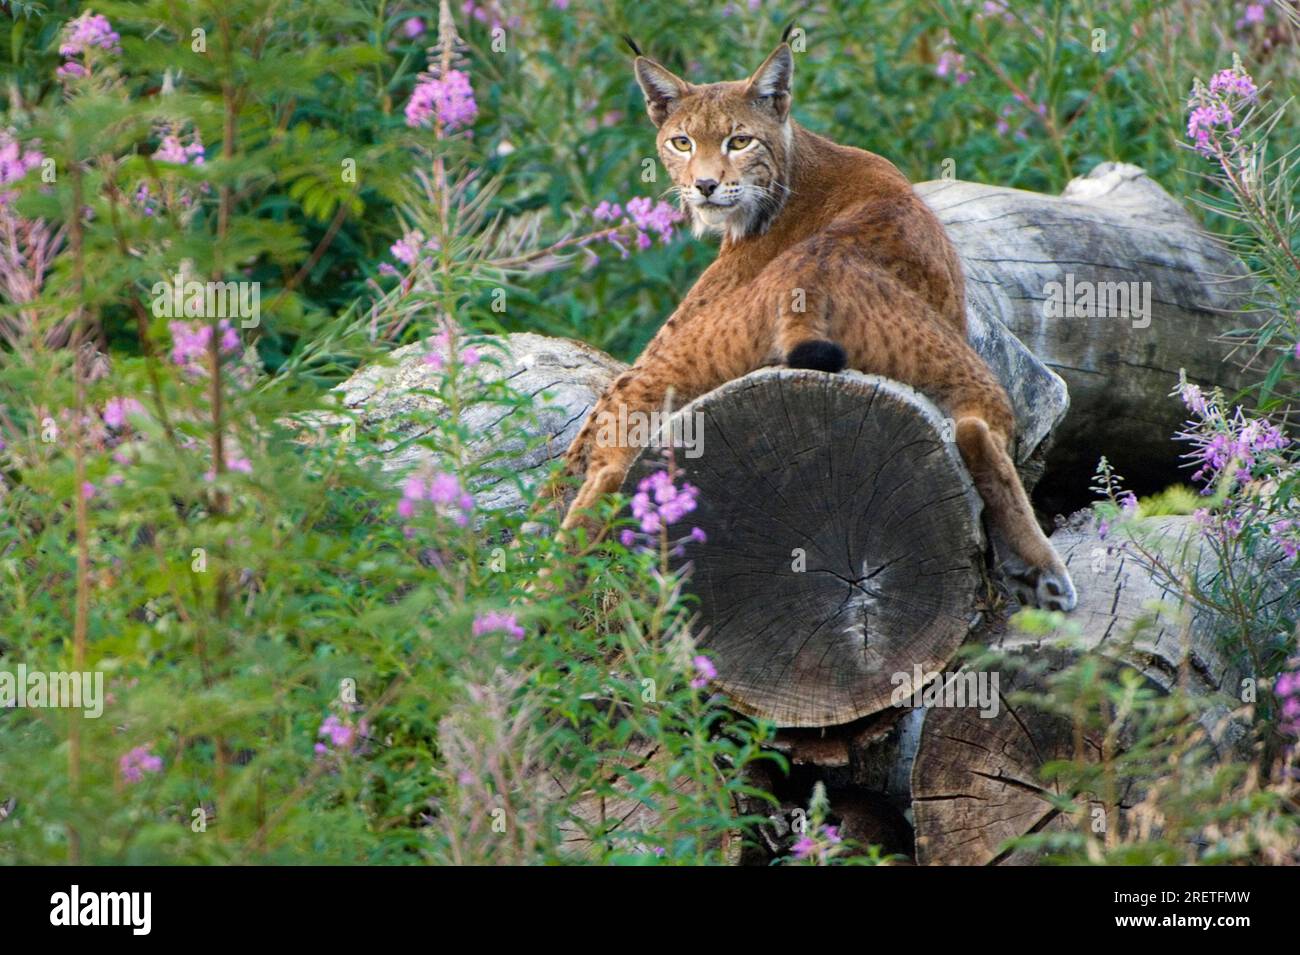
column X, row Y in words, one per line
column 604, row 476
column 687, row 358
column 601, row 450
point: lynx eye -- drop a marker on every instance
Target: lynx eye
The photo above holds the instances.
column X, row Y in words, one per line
column 681, row 143
column 736, row 143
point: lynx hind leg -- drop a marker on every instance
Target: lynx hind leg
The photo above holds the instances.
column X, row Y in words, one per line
column 1035, row 572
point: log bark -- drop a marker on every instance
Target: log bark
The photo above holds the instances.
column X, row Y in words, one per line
column 976, row 781
column 563, row 377
column 1114, row 225
column 843, row 541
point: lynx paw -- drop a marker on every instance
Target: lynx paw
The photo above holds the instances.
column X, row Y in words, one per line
column 819, row 355
column 1048, row 588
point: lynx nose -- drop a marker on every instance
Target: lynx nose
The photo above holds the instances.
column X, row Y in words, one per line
column 706, row 186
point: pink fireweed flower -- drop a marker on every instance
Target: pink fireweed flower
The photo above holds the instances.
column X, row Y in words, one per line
column 1202, row 123
column 488, row 14
column 1213, row 109
column 409, row 247
column 1254, row 13
column 951, row 63
column 606, row 211
column 85, row 37
column 448, row 100
column 236, row 463
column 16, row 161
column 468, row 357
column 1287, row 689
column 1219, row 439
column 190, row 341
column 89, row 31
column 1242, row 456
column 172, row 150
column 817, row 843
column 994, row 8
column 658, row 502
column 88, row 490
column 444, row 491
column 413, row 27
column 339, row 735
column 495, row 621
column 117, row 410
column 640, row 217
column 705, row 672
column 1233, row 82
column 1285, row 534
column 71, row 70
column 136, row 762
column 650, row 216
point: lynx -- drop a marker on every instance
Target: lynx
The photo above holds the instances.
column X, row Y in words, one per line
column 841, row 232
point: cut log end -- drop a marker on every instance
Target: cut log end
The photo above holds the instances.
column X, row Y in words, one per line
column 843, row 541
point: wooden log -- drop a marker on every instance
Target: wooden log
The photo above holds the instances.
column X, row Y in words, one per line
column 866, row 769
column 614, row 819
column 563, row 377
column 843, row 540
column 976, row 780
column 1114, row 225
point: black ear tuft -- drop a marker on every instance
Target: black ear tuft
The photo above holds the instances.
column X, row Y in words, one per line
column 631, row 45
column 819, row 355
column 785, row 34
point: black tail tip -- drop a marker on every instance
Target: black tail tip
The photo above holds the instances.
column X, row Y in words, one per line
column 819, row 355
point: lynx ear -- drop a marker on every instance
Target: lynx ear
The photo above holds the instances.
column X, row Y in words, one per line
column 662, row 88
column 771, row 81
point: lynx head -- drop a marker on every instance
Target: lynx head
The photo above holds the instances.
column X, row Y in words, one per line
column 726, row 145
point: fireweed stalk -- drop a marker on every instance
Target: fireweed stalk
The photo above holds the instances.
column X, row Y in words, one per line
column 1225, row 127
column 28, row 248
column 455, row 231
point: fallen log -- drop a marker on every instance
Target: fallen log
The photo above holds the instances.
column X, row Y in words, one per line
column 399, row 396
column 843, row 540
column 1115, row 287
column 976, row 779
